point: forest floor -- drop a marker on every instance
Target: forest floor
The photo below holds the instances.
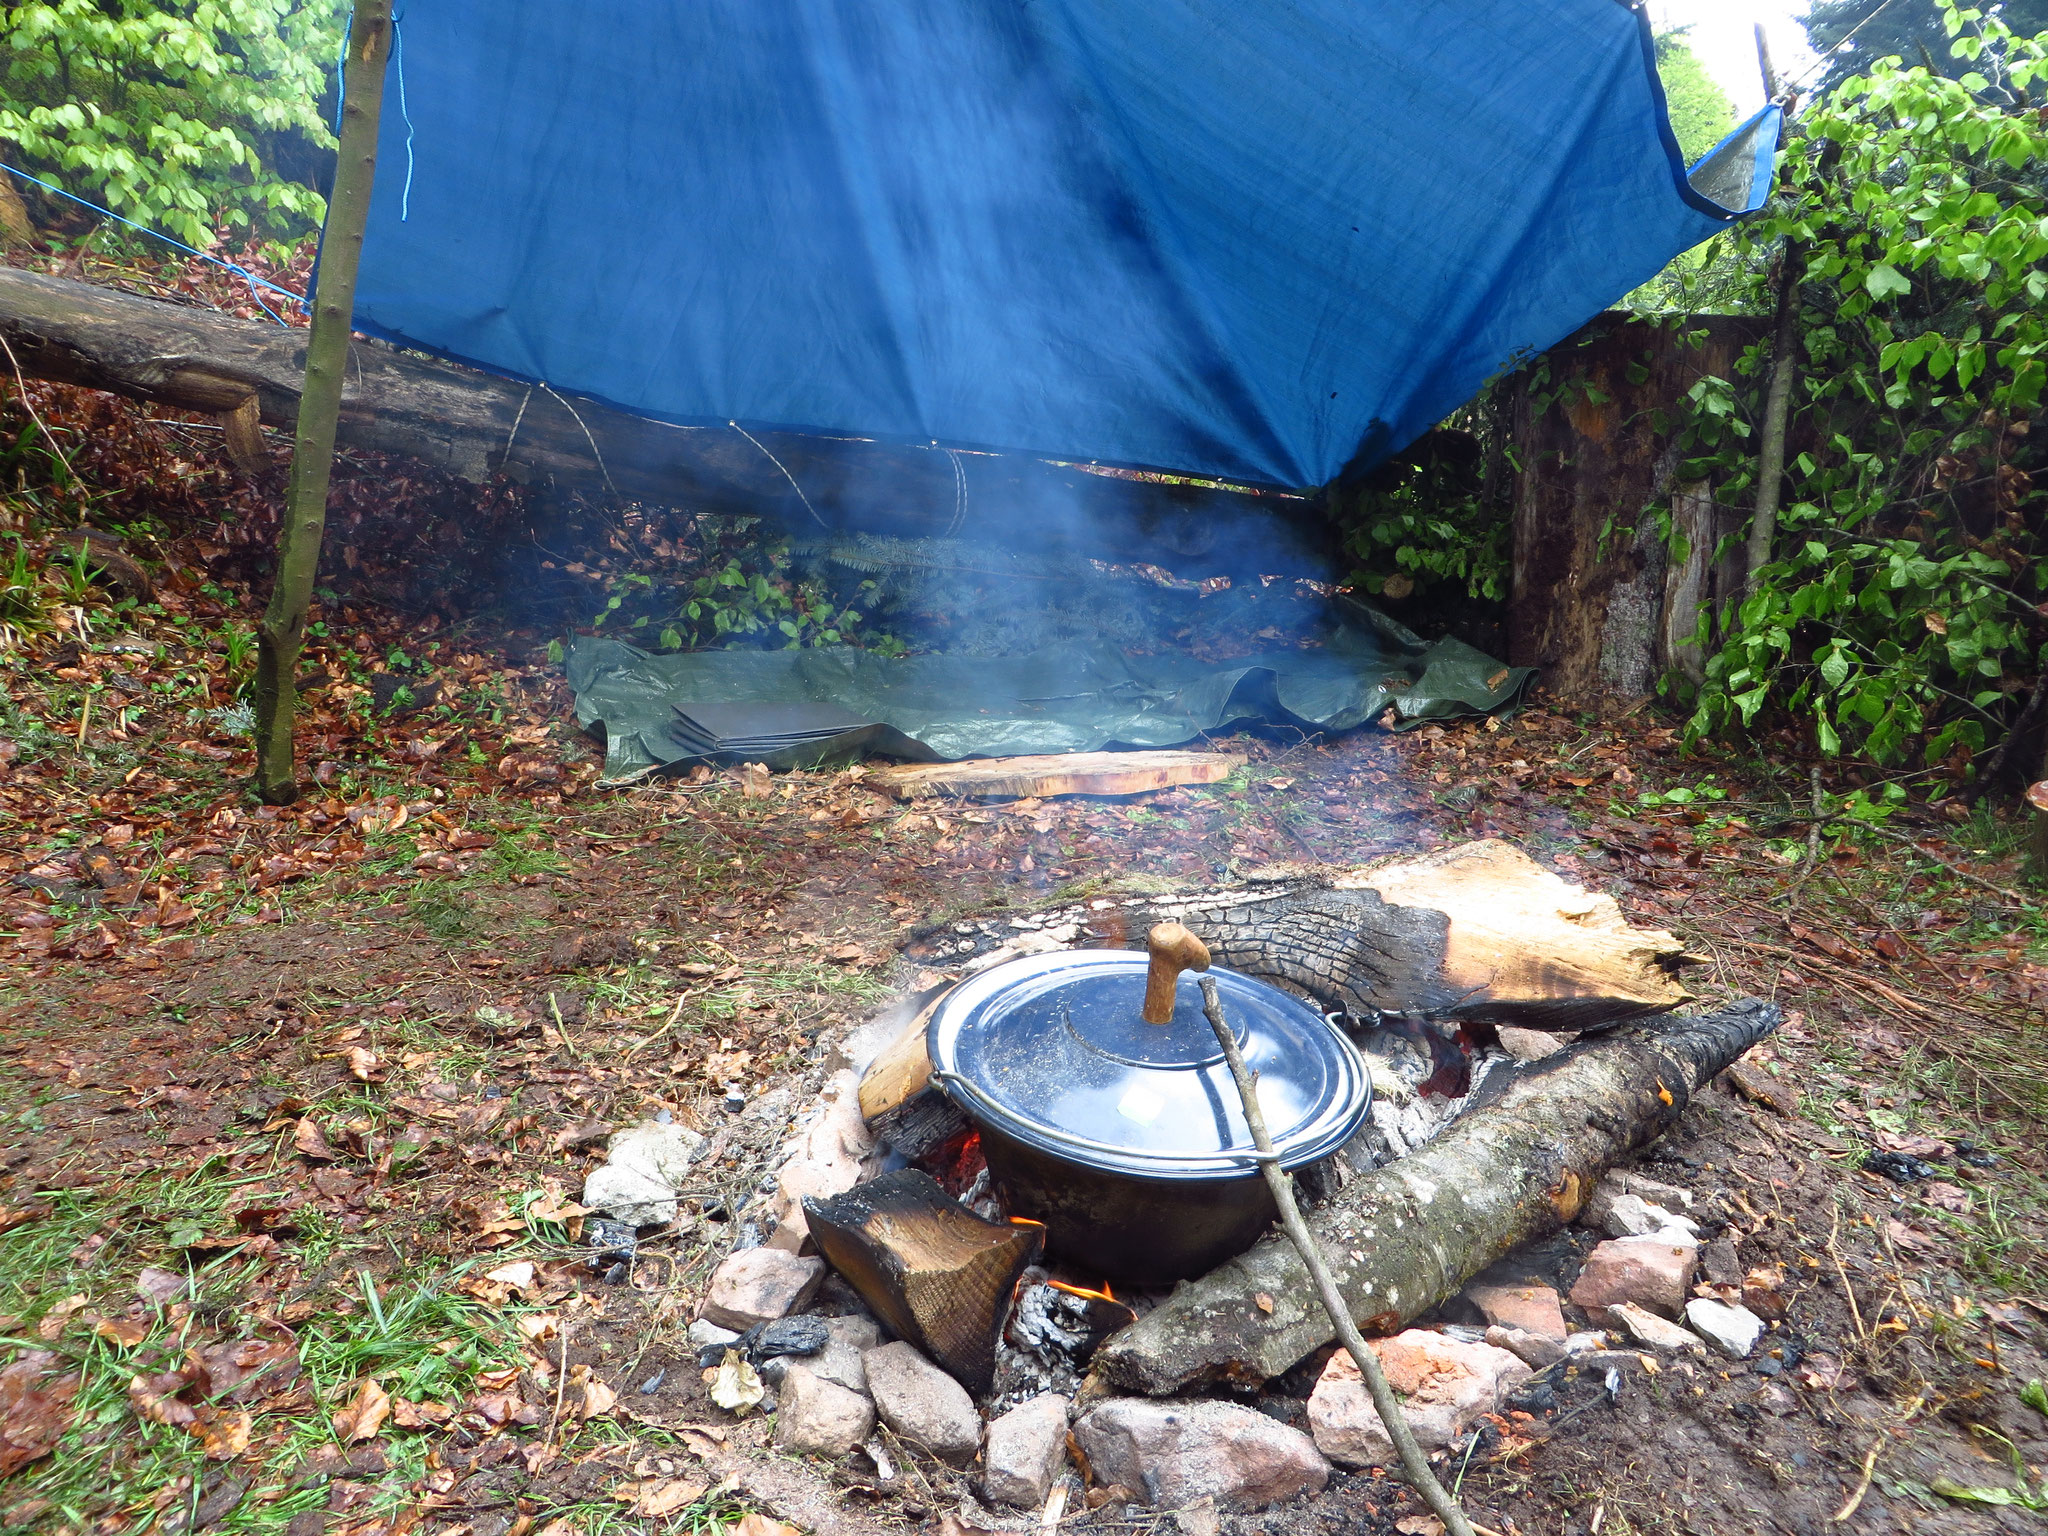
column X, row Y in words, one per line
column 294, row 1099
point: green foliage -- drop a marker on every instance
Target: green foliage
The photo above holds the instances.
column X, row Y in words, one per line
column 749, row 600
column 1912, row 31
column 178, row 114
column 1701, row 113
column 1898, row 614
column 1709, row 278
column 1432, row 517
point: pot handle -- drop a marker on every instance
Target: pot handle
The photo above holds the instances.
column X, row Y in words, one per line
column 1173, row 949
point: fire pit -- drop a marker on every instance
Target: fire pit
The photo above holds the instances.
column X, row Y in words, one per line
column 1127, row 1138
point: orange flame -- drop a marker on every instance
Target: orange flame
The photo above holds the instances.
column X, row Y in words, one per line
column 1105, row 1294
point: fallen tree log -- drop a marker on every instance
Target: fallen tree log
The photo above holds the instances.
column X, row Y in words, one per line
column 475, row 424
column 1402, row 1239
column 1477, row 932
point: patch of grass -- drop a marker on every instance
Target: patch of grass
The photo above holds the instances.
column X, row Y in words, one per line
column 444, row 912
column 516, row 854
column 718, row 1511
column 421, row 1339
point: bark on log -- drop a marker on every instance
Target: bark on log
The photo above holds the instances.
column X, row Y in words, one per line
column 1402, row 1239
column 476, row 424
column 1590, row 572
column 1477, row 932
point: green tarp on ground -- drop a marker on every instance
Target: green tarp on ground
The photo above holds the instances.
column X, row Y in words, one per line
column 1069, row 697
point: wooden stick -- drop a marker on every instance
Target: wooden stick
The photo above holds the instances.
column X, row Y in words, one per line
column 1413, row 1462
column 283, row 630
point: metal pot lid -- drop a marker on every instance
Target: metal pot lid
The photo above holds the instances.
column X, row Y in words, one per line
column 1050, row 1051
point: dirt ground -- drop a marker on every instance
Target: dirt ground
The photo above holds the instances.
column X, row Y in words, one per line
column 297, row 1100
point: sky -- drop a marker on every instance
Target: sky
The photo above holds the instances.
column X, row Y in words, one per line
column 1722, row 36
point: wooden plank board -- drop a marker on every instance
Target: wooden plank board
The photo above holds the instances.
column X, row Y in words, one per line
column 1069, row 773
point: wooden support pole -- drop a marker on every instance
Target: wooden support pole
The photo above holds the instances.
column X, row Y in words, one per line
column 283, row 629
column 1770, row 456
column 1763, row 60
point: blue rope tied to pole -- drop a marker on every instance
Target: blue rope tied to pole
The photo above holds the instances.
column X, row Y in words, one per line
column 243, row 273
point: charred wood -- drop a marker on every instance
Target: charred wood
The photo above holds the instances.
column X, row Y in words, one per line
column 1478, row 932
column 940, row 1276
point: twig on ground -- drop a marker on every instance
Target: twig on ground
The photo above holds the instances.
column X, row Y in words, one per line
column 562, row 1029
column 561, row 1381
column 1811, row 862
column 2015, row 897
column 1848, row 1290
column 674, row 1014
column 1855, row 1499
column 1413, row 1462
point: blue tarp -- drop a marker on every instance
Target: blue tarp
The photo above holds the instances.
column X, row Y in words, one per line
column 1253, row 239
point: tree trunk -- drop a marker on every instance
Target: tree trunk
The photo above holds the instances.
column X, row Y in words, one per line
column 1770, row 453
column 283, row 629
column 1400, row 1240
column 1592, row 583
column 1696, row 528
column 1478, row 932
column 17, row 231
column 476, row 425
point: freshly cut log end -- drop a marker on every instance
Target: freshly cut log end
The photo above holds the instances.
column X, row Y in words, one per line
column 1400, row 1240
column 1072, row 773
column 901, row 1070
column 940, row 1276
column 1480, row 932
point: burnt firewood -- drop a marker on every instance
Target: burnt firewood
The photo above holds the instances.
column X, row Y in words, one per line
column 937, row 1274
column 1402, row 1239
column 1479, row 932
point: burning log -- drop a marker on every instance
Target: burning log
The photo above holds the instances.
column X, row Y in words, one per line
column 1400, row 1240
column 936, row 1273
column 1478, row 932
column 475, row 424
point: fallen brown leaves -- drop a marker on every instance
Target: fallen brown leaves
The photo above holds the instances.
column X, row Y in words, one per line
column 36, row 1394
column 364, row 1414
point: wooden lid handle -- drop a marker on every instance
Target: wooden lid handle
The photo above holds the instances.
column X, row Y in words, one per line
column 1173, row 950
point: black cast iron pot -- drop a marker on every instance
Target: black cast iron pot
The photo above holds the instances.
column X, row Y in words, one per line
column 1127, row 1139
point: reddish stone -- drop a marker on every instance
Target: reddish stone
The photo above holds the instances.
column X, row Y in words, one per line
column 1531, row 1308
column 1654, row 1273
column 1443, row 1384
